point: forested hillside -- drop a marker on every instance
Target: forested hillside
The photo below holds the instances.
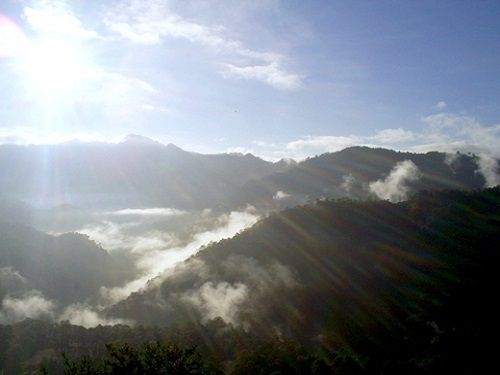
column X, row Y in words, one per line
column 368, row 258
column 376, row 287
column 349, row 173
column 69, row 268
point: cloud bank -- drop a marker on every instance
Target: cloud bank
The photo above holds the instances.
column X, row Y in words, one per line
column 161, row 239
column 31, row 305
column 87, row 316
column 395, row 186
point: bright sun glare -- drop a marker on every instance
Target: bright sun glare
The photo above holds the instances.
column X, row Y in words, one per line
column 54, row 66
column 51, row 66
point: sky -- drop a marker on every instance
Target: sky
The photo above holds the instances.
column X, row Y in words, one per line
column 276, row 78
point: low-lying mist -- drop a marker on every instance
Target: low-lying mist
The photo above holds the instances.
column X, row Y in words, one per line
column 150, row 240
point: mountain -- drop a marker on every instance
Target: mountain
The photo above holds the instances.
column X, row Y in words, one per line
column 350, row 171
column 68, row 268
column 135, row 172
column 140, row 172
column 373, row 277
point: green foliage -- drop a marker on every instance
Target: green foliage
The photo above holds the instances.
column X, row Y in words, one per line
column 149, row 358
column 279, row 357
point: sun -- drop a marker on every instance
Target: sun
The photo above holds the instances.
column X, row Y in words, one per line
column 50, row 65
column 54, row 66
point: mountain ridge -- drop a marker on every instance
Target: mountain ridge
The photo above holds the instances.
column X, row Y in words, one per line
column 142, row 172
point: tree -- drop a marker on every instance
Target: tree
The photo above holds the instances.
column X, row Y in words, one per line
column 149, row 358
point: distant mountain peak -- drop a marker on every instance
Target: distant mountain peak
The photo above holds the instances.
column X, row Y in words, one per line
column 173, row 147
column 138, row 139
column 287, row 162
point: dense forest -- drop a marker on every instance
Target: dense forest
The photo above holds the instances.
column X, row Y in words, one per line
column 335, row 286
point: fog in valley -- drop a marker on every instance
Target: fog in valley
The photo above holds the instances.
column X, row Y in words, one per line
column 150, row 241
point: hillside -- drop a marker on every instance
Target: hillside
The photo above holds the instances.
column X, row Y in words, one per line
column 357, row 273
column 362, row 287
column 68, row 268
column 350, row 171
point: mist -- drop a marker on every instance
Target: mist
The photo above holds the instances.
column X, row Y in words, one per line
column 395, row 187
column 30, row 305
column 488, row 167
column 154, row 251
column 149, row 241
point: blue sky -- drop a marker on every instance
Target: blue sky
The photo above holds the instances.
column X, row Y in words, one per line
column 276, row 78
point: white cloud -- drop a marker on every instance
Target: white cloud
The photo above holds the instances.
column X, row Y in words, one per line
column 395, row 186
column 440, row 105
column 115, row 236
column 221, row 300
column 147, row 212
column 215, row 298
column 88, row 317
column 315, row 145
column 155, row 251
column 151, row 21
column 453, row 132
column 55, row 19
column 310, row 145
column 446, row 132
column 239, row 150
column 280, row 195
column 159, row 260
column 489, row 168
column 271, row 74
column 392, row 136
column 115, row 90
column 348, row 183
column 32, row 305
column 153, row 108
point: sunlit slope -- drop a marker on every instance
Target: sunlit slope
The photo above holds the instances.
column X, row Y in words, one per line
column 355, row 273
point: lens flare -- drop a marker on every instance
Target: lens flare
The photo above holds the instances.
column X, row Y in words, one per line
column 12, row 39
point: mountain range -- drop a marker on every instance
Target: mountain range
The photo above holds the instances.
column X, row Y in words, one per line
column 140, row 172
column 136, row 172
